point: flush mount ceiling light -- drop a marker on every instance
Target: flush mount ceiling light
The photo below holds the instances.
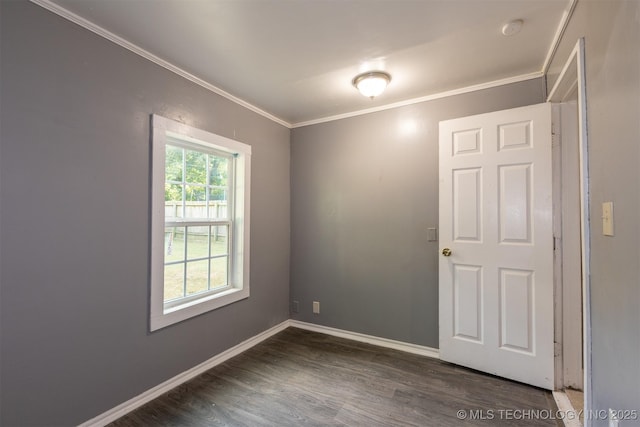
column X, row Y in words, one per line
column 371, row 83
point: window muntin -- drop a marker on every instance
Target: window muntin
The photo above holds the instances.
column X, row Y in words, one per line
column 198, row 185
column 200, row 221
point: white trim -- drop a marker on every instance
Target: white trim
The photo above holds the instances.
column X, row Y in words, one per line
column 575, row 65
column 570, row 416
column 556, row 183
column 59, row 10
column 369, row 339
column 154, row 392
column 147, row 396
column 440, row 95
column 567, row 75
column 562, row 27
column 85, row 23
column 160, row 315
column 569, row 334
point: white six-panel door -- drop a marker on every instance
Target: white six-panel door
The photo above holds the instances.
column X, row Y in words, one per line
column 496, row 286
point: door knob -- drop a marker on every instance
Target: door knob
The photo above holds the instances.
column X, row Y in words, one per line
column 446, row 252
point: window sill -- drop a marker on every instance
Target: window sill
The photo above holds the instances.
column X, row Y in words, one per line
column 194, row 308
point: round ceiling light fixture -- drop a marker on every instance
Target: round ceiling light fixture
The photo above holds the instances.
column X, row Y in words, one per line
column 371, row 83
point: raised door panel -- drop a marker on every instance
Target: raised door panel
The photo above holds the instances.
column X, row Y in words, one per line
column 516, row 310
column 467, row 302
column 515, row 198
column 467, row 204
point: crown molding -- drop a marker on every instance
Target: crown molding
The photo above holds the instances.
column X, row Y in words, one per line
column 557, row 38
column 64, row 13
column 460, row 91
column 59, row 10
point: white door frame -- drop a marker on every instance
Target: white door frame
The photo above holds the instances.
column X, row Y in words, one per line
column 571, row 78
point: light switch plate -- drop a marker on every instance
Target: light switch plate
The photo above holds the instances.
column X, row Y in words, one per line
column 607, row 218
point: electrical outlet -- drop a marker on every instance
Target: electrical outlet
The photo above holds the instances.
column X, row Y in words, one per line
column 295, row 307
column 316, row 307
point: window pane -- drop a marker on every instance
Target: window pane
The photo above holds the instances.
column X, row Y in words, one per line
column 197, row 276
column 194, row 194
column 219, row 240
column 218, row 171
column 173, row 281
column 219, row 272
column 173, row 201
column 197, row 242
column 196, row 172
column 173, row 163
column 218, row 209
column 218, row 193
column 173, row 244
column 195, row 205
column 172, row 192
column 195, row 210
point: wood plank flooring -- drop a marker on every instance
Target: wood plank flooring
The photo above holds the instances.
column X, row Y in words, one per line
column 303, row 378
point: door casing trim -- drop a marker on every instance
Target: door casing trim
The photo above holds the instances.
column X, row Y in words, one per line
column 572, row 77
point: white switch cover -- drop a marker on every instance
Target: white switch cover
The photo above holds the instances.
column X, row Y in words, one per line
column 607, row 218
column 316, row 307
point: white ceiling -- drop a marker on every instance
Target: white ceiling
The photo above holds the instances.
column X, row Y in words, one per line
column 295, row 59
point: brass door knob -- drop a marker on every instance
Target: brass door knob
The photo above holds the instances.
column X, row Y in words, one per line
column 446, row 252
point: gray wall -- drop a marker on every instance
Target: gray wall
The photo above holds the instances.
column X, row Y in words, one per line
column 74, row 237
column 74, row 177
column 612, row 43
column 364, row 192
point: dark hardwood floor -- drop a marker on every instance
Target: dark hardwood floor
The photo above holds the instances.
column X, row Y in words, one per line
column 302, row 378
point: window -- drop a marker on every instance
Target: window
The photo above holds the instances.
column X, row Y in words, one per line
column 199, row 221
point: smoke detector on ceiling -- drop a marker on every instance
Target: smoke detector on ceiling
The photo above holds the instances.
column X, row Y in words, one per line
column 513, row 27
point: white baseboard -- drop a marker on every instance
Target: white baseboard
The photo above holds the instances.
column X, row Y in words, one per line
column 369, row 339
column 147, row 396
column 571, row 417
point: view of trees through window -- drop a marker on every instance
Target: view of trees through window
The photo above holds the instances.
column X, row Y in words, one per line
column 196, row 221
column 195, row 173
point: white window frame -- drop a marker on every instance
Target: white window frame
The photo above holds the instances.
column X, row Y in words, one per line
column 162, row 131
